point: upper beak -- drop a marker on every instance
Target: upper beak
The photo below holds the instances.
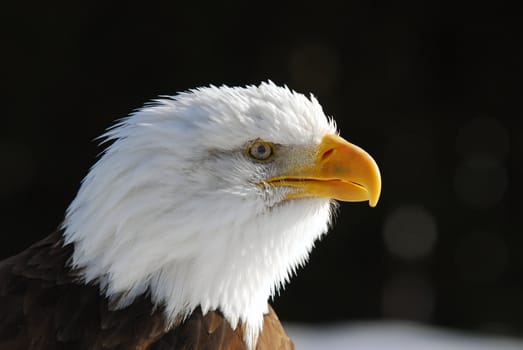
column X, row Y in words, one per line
column 340, row 171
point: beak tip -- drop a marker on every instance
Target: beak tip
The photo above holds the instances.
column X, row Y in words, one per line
column 373, row 200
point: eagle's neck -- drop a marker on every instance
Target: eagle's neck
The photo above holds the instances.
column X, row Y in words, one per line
column 234, row 268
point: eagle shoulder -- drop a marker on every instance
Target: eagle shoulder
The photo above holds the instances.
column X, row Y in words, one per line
column 43, row 305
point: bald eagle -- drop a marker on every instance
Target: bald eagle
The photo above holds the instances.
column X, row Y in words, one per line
column 199, row 210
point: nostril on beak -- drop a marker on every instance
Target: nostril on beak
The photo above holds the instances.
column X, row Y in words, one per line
column 327, row 154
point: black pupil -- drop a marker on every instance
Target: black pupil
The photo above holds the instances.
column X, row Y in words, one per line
column 261, row 150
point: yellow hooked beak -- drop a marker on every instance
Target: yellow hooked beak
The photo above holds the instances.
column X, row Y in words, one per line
column 340, row 171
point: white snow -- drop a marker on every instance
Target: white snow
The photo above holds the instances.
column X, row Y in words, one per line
column 393, row 336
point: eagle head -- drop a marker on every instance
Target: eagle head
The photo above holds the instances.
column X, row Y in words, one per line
column 212, row 198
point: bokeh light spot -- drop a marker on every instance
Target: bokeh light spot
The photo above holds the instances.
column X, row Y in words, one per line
column 410, row 232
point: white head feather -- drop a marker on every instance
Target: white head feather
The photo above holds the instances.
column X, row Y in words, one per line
column 173, row 208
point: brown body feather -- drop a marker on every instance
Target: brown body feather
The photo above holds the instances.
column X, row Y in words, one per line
column 43, row 306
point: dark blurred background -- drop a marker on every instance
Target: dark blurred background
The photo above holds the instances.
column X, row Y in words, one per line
column 431, row 89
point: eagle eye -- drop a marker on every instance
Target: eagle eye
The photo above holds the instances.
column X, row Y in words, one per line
column 260, row 150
